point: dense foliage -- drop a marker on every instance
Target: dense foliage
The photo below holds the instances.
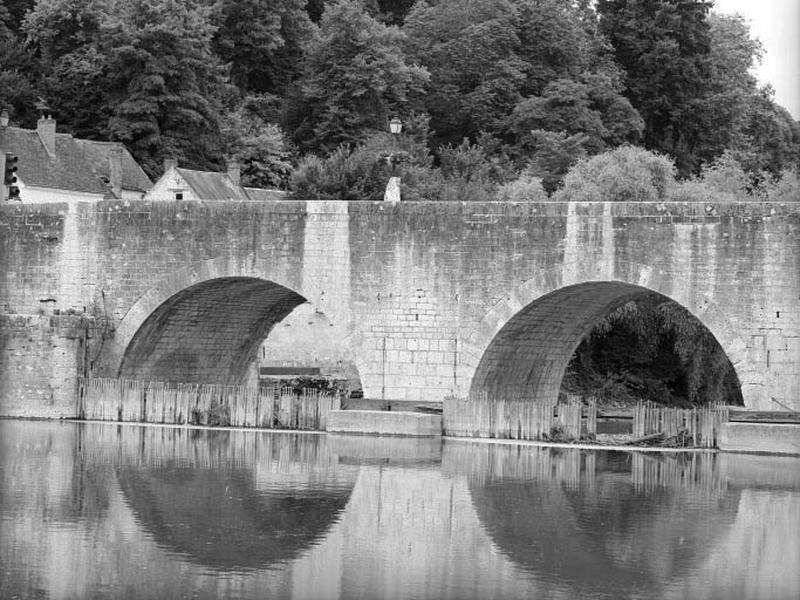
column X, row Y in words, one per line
column 533, row 86
column 651, row 348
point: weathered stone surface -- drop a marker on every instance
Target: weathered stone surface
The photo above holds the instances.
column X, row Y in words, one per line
column 426, row 299
column 382, row 422
column 770, row 438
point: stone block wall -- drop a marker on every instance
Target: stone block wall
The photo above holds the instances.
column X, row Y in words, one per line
column 415, row 292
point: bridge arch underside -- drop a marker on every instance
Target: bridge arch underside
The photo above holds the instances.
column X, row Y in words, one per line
column 209, row 332
column 528, row 357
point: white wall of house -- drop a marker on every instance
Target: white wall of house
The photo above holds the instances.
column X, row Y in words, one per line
column 132, row 195
column 168, row 186
column 38, row 195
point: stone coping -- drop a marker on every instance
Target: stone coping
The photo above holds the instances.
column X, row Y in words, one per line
column 384, row 422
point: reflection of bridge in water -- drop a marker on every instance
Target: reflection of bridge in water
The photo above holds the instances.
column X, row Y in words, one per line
column 293, row 514
column 226, row 500
column 611, row 521
column 598, row 521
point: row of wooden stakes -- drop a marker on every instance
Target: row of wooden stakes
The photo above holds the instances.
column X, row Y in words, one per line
column 203, row 404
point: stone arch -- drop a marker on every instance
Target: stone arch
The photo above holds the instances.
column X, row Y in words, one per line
column 524, row 342
column 202, row 324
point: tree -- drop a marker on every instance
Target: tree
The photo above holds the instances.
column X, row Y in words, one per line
column 12, row 14
column 561, row 40
column 663, row 46
column 730, row 86
column 259, row 147
column 263, row 42
column 355, row 78
column 19, row 71
column 66, row 38
column 56, row 28
column 393, row 12
column 470, row 48
column 594, row 110
column 552, row 154
column 509, row 67
column 165, row 85
column 769, row 139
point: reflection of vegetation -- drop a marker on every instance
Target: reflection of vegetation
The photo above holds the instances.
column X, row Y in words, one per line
column 218, row 414
column 651, row 348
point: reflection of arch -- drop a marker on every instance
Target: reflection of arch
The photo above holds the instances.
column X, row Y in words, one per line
column 607, row 536
column 202, row 324
column 225, row 516
column 523, row 345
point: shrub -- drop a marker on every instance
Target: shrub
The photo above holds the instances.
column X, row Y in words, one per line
column 784, row 189
column 696, row 190
column 726, row 177
column 526, row 188
column 627, row 173
column 359, row 173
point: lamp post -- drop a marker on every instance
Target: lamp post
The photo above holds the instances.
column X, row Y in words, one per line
column 392, row 193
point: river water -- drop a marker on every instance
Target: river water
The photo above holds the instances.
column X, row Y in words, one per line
column 122, row 511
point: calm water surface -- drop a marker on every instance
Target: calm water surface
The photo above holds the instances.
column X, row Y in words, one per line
column 94, row 510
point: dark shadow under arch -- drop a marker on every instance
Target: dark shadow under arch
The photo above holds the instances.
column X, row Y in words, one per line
column 209, row 332
column 528, row 356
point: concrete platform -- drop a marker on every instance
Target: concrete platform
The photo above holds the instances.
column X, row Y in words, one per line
column 765, row 438
column 379, row 422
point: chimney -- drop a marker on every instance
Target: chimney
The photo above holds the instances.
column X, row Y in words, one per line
column 46, row 128
column 4, row 118
column 115, row 170
column 170, row 163
column 234, row 172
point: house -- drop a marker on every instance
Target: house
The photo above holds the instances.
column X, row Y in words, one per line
column 56, row 167
column 115, row 166
column 178, row 183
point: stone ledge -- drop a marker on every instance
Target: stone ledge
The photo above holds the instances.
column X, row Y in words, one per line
column 764, row 438
column 380, row 422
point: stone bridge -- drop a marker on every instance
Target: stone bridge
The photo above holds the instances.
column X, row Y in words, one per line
column 428, row 298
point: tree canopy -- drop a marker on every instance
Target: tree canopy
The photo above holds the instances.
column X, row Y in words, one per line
column 537, row 85
column 355, row 79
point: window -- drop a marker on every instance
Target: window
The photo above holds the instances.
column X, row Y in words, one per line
column 178, row 195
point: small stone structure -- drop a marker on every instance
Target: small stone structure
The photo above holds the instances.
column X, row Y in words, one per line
column 381, row 422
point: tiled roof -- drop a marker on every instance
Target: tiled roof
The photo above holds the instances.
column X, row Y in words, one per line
column 67, row 170
column 212, row 186
column 97, row 155
column 265, row 195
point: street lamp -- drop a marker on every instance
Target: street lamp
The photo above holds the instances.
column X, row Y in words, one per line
column 392, row 193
